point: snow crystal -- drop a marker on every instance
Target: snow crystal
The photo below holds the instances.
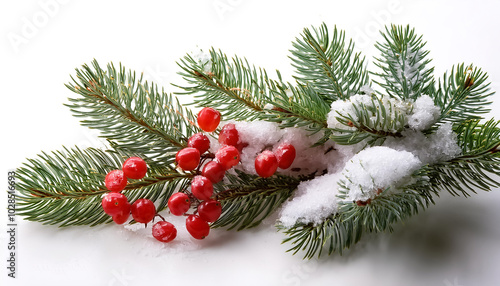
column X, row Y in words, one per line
column 439, row 146
column 314, row 201
column 424, row 113
column 377, row 168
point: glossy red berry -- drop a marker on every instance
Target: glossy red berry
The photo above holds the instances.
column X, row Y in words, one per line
column 285, row 153
column 115, row 181
column 202, row 188
column 229, row 135
column 228, row 156
column 197, row 227
column 210, row 210
column 134, row 168
column 199, row 141
column 213, row 171
column 114, row 203
column 208, row 119
column 266, row 164
column 122, row 217
column 188, row 158
column 143, row 210
column 179, row 204
column 164, row 231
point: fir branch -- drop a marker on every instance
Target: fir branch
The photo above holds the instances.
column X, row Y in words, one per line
column 133, row 115
column 477, row 168
column 233, row 87
column 299, row 106
column 247, row 200
column 345, row 228
column 463, row 95
column 331, row 234
column 330, row 66
column 404, row 64
column 375, row 121
column 66, row 187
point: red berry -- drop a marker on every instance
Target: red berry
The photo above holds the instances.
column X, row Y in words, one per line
column 114, row 203
column 188, row 158
column 115, row 181
column 179, row 204
column 285, row 153
column 229, row 135
column 228, row 156
column 210, row 210
column 134, row 168
column 208, row 119
column 143, row 210
column 199, row 141
column 197, row 227
column 122, row 217
column 213, row 171
column 164, row 231
column 202, row 188
column 266, row 164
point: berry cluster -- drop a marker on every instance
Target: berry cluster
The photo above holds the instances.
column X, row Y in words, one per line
column 117, row 205
column 194, row 157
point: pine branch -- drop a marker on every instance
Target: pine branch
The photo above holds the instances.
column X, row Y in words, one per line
column 463, row 95
column 234, row 87
column 133, row 115
column 478, row 168
column 373, row 122
column 404, row 64
column 66, row 187
column 330, row 66
column 247, row 200
column 345, row 228
column 297, row 107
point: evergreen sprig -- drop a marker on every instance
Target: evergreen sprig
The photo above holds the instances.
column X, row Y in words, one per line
column 463, row 95
column 66, row 187
column 248, row 199
column 328, row 63
column 403, row 64
column 132, row 114
column 371, row 122
column 297, row 106
column 237, row 89
column 477, row 168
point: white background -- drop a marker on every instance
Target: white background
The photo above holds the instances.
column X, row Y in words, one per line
column 454, row 242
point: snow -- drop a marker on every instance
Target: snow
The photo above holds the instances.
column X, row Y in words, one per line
column 203, row 59
column 375, row 169
column 439, row 146
column 314, row 201
column 424, row 113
